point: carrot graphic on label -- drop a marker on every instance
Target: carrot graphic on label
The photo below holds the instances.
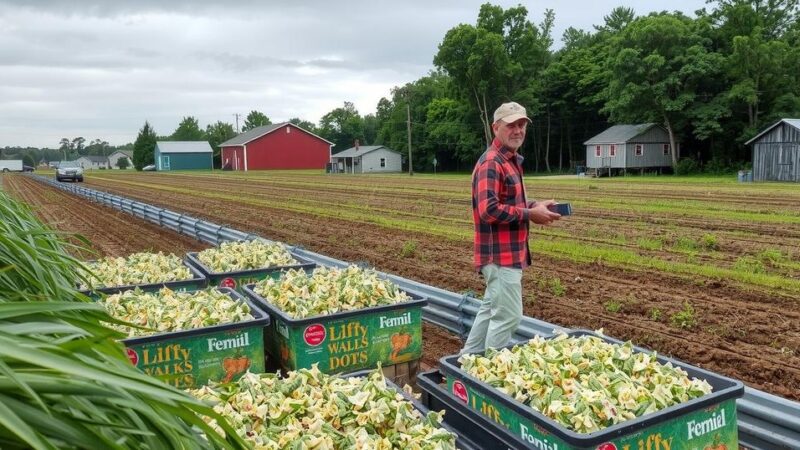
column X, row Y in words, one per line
column 400, row 342
column 234, row 366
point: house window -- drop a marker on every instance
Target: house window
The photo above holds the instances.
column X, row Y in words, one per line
column 288, row 129
column 666, row 149
column 383, row 162
column 597, row 151
column 638, row 150
column 613, row 150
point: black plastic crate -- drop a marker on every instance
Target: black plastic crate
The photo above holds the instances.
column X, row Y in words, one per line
column 482, row 432
column 238, row 279
column 463, row 442
column 198, row 281
column 707, row 420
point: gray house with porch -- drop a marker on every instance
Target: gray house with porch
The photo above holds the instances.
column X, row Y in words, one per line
column 368, row 159
column 623, row 147
column 776, row 152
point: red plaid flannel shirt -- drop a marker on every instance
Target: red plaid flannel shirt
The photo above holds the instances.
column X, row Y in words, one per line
column 499, row 209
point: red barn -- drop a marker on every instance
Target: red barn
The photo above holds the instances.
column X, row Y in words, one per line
column 278, row 146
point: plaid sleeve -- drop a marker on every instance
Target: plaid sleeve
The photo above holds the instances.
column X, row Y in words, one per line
column 488, row 184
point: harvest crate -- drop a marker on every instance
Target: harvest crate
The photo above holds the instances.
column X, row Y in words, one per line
column 191, row 358
column 198, row 281
column 483, row 432
column 345, row 341
column 703, row 422
column 465, row 439
column 237, row 280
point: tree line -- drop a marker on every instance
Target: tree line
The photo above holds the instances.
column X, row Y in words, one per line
column 712, row 81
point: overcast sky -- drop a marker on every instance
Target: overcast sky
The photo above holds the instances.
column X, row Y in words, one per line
column 99, row 69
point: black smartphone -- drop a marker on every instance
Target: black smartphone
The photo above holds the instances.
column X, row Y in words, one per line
column 561, row 208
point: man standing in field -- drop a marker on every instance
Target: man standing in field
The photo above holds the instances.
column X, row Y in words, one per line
column 501, row 215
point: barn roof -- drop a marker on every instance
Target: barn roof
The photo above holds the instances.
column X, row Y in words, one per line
column 362, row 150
column 793, row 122
column 184, row 146
column 257, row 132
column 619, row 133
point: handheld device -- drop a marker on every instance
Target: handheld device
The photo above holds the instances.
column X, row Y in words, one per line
column 561, row 208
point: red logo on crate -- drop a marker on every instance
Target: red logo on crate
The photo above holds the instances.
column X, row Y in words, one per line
column 132, row 355
column 607, row 446
column 314, row 334
column 460, row 391
column 228, row 283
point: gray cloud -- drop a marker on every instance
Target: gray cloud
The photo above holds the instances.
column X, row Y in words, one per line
column 100, row 68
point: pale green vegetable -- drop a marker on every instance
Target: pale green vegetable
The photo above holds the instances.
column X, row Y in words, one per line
column 137, row 268
column 311, row 410
column 168, row 310
column 329, row 290
column 245, row 255
column 584, row 383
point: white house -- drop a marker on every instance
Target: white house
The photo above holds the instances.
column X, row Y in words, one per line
column 368, row 159
column 90, row 162
column 113, row 159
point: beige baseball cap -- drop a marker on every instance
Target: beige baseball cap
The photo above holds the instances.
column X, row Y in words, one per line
column 510, row 112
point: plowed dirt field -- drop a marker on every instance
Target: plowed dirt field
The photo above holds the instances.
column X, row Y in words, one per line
column 706, row 272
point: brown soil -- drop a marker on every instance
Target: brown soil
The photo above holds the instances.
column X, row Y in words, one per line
column 745, row 333
column 109, row 231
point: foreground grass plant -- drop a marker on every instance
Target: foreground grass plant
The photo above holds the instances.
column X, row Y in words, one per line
column 65, row 381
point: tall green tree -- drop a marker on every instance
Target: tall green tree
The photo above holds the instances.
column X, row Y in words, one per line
column 255, row 119
column 660, row 61
column 144, row 147
column 188, row 130
column 304, row 124
column 342, row 126
column 216, row 134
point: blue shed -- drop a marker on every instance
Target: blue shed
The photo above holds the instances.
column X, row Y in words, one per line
column 183, row 155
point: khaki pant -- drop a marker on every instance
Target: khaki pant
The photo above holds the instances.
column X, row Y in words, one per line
column 500, row 311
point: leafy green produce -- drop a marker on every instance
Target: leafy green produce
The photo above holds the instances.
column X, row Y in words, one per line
column 311, row 410
column 169, row 310
column 245, row 255
column 584, row 383
column 328, row 290
column 137, row 268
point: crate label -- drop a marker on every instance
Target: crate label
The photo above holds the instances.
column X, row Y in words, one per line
column 344, row 345
column 710, row 428
column 238, row 282
column 193, row 361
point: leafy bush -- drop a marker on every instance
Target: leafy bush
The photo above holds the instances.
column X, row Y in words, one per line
column 409, row 249
column 709, row 241
column 749, row 264
column 686, row 166
column 649, row 244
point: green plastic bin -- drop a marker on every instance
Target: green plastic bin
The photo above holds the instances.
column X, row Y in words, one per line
column 237, row 280
column 191, row 358
column 697, row 424
column 345, row 341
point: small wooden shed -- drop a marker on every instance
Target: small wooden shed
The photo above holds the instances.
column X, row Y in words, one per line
column 776, row 152
column 623, row 147
column 368, row 159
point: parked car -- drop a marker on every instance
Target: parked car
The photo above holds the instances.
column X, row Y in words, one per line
column 26, row 168
column 149, row 168
column 69, row 170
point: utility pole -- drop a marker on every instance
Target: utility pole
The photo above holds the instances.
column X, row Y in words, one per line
column 237, row 121
column 408, row 122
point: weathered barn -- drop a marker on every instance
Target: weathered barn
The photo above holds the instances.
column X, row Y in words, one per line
column 278, row 146
column 368, row 159
column 623, row 147
column 776, row 152
column 183, row 155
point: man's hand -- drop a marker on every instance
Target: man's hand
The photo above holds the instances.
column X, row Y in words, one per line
column 541, row 215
